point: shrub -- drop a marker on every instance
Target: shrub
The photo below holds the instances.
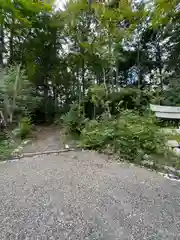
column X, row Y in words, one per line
column 24, row 128
column 74, row 120
column 128, row 98
column 97, row 134
column 7, row 145
column 17, row 94
column 5, row 150
column 99, row 100
column 138, row 135
column 130, row 135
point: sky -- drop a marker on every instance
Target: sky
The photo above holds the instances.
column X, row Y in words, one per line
column 60, row 3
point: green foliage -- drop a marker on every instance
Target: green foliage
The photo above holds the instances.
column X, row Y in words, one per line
column 108, row 58
column 5, row 150
column 7, row 145
column 74, row 120
column 97, row 94
column 24, row 128
column 171, row 96
column 128, row 98
column 130, row 135
column 97, row 135
column 98, row 97
column 137, row 136
column 17, row 94
column 99, row 100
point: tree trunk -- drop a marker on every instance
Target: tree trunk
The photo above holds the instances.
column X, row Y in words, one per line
column 1, row 42
column 11, row 43
column 55, row 98
column 107, row 104
column 83, row 77
column 111, row 65
column 15, row 92
column 159, row 63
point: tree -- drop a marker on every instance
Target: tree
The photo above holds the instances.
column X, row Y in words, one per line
column 115, row 43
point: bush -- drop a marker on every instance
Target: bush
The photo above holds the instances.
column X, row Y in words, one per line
column 24, row 128
column 18, row 96
column 99, row 100
column 97, row 134
column 130, row 135
column 74, row 120
column 138, row 135
column 7, row 145
column 128, row 98
column 5, row 150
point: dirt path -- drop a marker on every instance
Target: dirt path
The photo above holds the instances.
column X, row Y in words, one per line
column 83, row 195
column 46, row 139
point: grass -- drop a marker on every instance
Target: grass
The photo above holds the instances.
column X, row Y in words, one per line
column 6, row 150
column 8, row 143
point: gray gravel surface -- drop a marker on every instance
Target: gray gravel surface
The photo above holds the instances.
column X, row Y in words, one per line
column 82, row 195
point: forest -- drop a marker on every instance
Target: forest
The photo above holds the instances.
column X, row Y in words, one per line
column 93, row 67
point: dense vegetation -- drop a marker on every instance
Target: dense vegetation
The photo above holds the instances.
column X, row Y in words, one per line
column 94, row 65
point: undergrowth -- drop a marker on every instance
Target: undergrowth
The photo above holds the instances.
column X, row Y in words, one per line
column 129, row 135
column 7, row 145
column 24, row 128
column 11, row 139
column 5, row 150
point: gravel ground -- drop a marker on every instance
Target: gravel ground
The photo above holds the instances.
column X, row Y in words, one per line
column 82, row 195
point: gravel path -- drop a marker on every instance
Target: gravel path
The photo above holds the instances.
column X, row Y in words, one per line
column 82, row 195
